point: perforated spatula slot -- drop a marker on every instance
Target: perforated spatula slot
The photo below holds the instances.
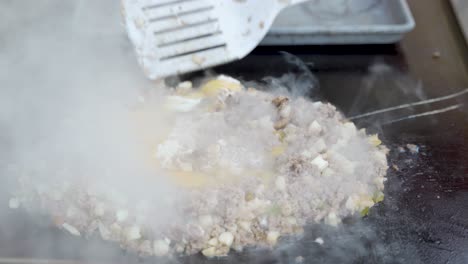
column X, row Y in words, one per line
column 173, row 37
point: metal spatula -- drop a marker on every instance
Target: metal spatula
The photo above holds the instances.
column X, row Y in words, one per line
column 179, row 36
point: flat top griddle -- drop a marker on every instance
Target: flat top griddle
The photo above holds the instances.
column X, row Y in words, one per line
column 424, row 217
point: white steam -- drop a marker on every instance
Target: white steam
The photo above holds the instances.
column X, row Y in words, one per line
column 67, row 80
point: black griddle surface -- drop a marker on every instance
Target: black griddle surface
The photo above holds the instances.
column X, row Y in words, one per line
column 424, row 216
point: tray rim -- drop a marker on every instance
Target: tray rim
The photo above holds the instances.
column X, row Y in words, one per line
column 459, row 17
column 353, row 29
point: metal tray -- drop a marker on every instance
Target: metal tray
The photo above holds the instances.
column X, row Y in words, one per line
column 460, row 7
column 342, row 22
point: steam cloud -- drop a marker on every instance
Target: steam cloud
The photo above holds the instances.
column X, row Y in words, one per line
column 67, row 78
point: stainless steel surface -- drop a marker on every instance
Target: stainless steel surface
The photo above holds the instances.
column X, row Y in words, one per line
column 437, row 32
column 460, row 7
column 342, row 22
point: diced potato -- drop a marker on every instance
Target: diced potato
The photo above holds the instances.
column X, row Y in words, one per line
column 209, row 252
column 272, row 237
column 285, row 111
column 245, row 225
column 226, row 238
column 332, row 219
column 213, row 242
column 214, row 87
column 71, row 229
column 351, row 203
column 315, row 127
column 374, row 140
column 184, row 87
column 121, row 215
column 160, row 247
column 320, row 145
column 133, row 233
column 320, row 162
column 280, row 183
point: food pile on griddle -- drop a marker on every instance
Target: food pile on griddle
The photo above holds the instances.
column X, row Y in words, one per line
column 250, row 167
